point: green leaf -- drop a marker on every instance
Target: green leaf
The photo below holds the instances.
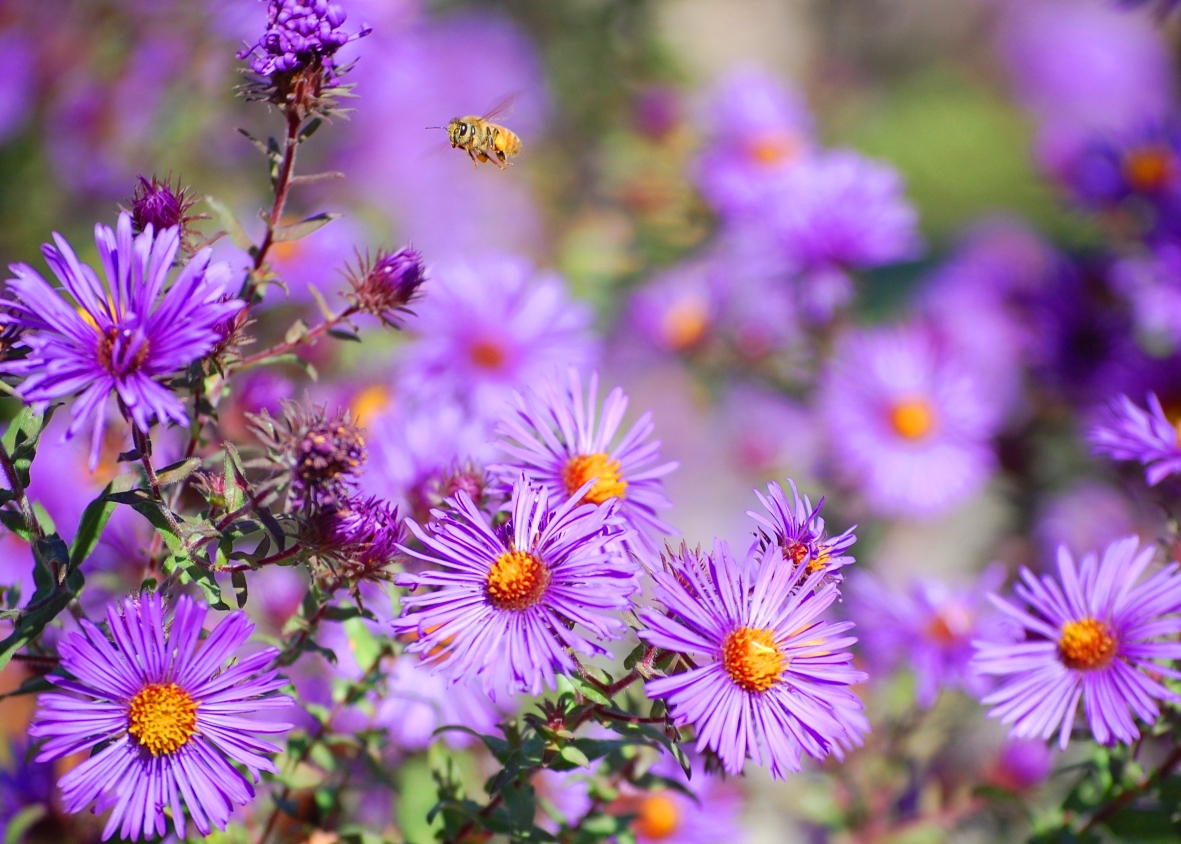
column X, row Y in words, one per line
column 306, row 226
column 90, row 527
column 343, row 334
column 32, row 622
column 238, row 578
column 229, row 222
column 233, row 498
column 309, row 129
column 22, row 822
column 574, row 756
column 321, row 302
column 362, row 642
column 177, row 471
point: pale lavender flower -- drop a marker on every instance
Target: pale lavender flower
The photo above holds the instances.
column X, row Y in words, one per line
column 1127, row 431
column 416, row 702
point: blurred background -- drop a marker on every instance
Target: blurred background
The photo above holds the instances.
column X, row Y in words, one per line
column 623, row 107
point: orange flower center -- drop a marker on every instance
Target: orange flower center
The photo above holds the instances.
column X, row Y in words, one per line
column 1148, row 169
column 913, row 419
column 752, row 659
column 1086, row 644
column 516, row 581
column 162, row 718
column 685, row 323
column 369, row 403
column 602, row 469
column 774, row 147
column 950, row 624
column 487, row 355
column 658, row 818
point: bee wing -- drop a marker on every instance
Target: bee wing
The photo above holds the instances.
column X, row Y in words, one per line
column 503, row 108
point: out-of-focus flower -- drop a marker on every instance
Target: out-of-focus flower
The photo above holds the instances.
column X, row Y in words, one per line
column 669, row 816
column 677, row 310
column 23, row 784
column 1084, row 68
column 1144, row 162
column 771, row 677
column 17, row 89
column 842, row 210
column 168, row 717
column 508, row 598
column 320, row 454
column 767, row 433
column 1021, row 765
column 1087, row 515
column 1092, row 635
column 928, row 627
column 301, row 35
column 797, row 530
column 759, row 129
column 386, row 285
column 417, row 701
column 561, row 439
column 489, row 328
column 1129, row 432
column 907, row 423
column 124, row 334
column 564, row 797
column 1152, row 287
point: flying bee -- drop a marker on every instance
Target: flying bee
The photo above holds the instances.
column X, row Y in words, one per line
column 482, row 139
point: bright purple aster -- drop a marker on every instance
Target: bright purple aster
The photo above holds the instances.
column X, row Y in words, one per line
column 510, row 602
column 364, row 533
column 489, row 328
column 1129, row 432
column 119, row 336
column 712, row 813
column 25, row 783
column 759, row 130
column 1094, row 635
column 907, row 423
column 168, row 714
column 928, row 627
column 416, row 702
column 562, row 439
column 841, row 209
column 772, row 677
column 797, row 530
column 300, row 34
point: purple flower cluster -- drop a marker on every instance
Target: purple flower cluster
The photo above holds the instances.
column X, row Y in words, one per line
column 1130, row 432
column 300, row 34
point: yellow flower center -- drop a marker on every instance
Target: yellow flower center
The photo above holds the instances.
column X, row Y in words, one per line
column 912, row 419
column 516, row 581
column 685, row 323
column 752, row 659
column 1149, row 168
column 599, row 467
column 774, row 147
column 1086, row 644
column 162, row 718
column 487, row 354
column 369, row 403
column 658, row 818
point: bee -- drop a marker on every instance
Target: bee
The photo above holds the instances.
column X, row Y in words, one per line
column 482, row 139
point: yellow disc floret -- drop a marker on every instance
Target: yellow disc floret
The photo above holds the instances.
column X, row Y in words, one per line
column 162, row 718
column 1086, row 644
column 912, row 419
column 658, row 817
column 752, row 659
column 516, row 581
column 599, row 467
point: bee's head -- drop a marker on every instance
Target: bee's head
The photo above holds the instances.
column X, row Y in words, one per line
column 459, row 131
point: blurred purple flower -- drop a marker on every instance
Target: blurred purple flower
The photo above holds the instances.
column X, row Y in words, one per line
column 1087, row 515
column 669, row 816
column 767, row 433
column 125, row 333
column 1152, row 286
column 928, row 627
column 1092, row 635
column 23, row 784
column 678, row 309
column 1129, row 432
column 908, row 424
column 490, row 327
column 17, row 84
column 1021, row 765
column 416, row 702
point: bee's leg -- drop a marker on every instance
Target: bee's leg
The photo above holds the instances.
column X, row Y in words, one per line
column 472, row 155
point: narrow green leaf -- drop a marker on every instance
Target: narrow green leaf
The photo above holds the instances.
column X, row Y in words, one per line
column 238, row 578
column 229, row 222
column 177, row 471
column 300, row 230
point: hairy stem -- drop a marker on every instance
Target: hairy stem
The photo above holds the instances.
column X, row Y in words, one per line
column 1113, row 806
column 18, row 494
column 311, row 336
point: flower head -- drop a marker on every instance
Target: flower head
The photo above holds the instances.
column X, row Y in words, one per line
column 797, row 530
column 1093, row 635
column 386, row 285
column 162, row 206
column 710, row 812
column 509, row 602
column 562, row 439
column 678, row 310
column 167, row 715
column 1129, row 432
column 362, row 537
column 772, row 676
column 122, row 335
column 300, row 35
column 908, row 424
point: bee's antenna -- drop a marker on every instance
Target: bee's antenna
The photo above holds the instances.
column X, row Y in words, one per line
column 436, row 127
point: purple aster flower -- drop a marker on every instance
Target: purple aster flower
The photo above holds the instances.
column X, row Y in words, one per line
column 25, row 783
column 167, row 713
column 1143, row 163
column 1021, row 765
column 386, row 285
column 1152, row 286
column 907, row 423
column 1129, row 432
column 489, row 328
column 120, row 335
column 1087, row 515
column 511, row 602
column 416, row 702
column 300, row 34
column 562, row 439
column 709, row 813
column 677, row 310
column 759, row 130
column 841, row 209
column 928, row 627
column 362, row 536
column 797, row 530
column 1094, row 635
column 772, row 677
